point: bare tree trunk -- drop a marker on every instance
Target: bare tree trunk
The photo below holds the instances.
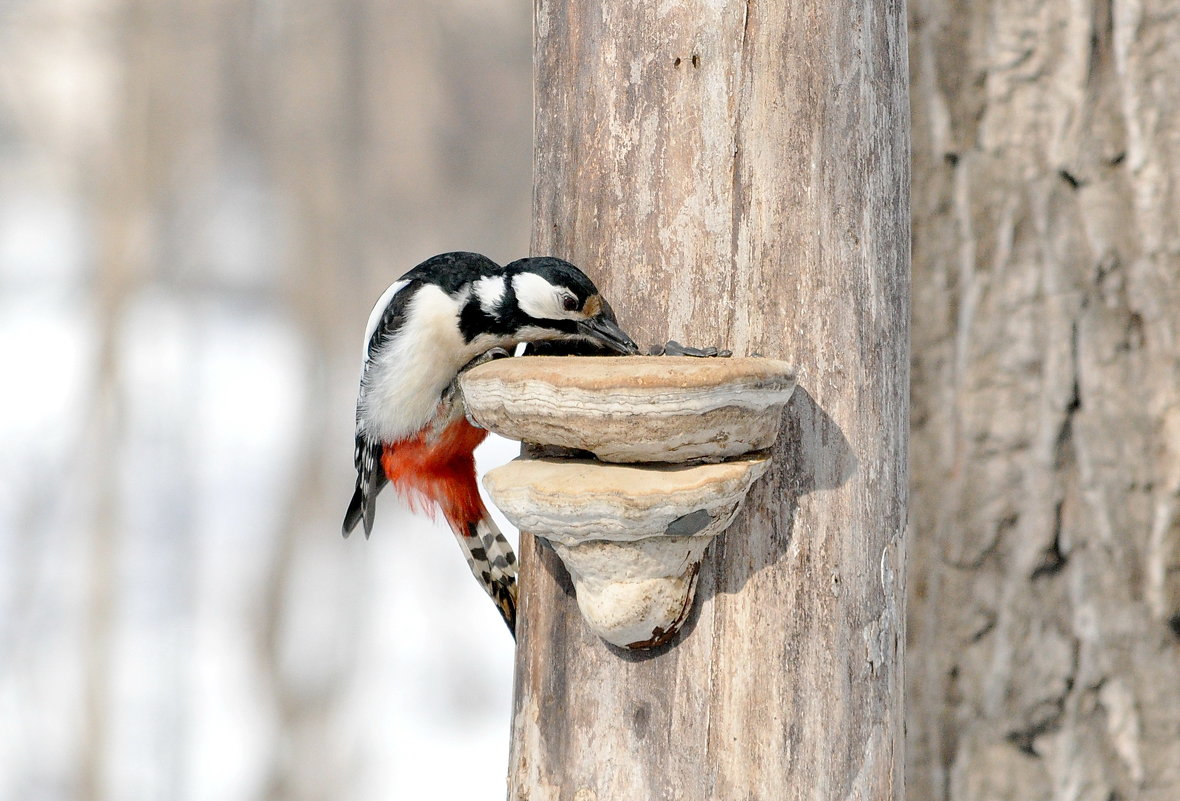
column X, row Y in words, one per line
column 1044, row 661
column 737, row 174
column 117, row 181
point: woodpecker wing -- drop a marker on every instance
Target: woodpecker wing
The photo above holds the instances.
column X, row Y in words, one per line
column 385, row 320
column 387, row 317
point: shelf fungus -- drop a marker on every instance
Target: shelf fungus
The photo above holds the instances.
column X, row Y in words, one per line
column 631, row 537
column 633, row 408
column 692, row 434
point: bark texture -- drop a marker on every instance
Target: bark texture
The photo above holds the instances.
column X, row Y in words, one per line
column 737, row 174
column 1044, row 659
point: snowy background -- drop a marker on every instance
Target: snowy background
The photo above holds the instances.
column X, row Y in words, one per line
column 199, row 202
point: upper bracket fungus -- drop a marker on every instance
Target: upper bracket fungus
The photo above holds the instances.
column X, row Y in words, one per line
column 633, row 408
column 632, row 536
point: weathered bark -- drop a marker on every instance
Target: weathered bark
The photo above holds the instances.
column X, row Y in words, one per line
column 737, row 174
column 1044, row 660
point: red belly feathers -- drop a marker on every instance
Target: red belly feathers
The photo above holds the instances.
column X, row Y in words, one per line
column 430, row 468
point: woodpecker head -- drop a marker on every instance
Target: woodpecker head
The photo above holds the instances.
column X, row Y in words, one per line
column 540, row 299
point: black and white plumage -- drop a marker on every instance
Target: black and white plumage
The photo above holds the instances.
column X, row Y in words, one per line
column 410, row 427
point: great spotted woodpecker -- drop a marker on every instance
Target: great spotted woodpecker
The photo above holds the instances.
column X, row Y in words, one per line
column 446, row 313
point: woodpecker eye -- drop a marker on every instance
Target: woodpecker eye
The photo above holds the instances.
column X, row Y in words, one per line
column 569, row 302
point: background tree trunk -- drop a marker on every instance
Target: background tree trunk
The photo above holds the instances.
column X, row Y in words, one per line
column 737, row 174
column 1043, row 654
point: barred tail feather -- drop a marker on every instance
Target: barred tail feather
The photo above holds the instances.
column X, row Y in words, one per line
column 492, row 562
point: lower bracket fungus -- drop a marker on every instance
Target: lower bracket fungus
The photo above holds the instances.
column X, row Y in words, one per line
column 632, row 537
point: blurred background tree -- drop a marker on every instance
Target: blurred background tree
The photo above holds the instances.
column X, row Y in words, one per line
column 198, row 203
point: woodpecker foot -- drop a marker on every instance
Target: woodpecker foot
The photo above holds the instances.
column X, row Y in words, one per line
column 495, row 353
column 486, row 356
column 451, row 393
column 674, row 348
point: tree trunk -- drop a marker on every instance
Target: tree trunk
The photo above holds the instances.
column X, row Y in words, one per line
column 1044, row 661
column 737, row 174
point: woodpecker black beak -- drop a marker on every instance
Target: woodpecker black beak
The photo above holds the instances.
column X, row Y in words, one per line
column 606, row 332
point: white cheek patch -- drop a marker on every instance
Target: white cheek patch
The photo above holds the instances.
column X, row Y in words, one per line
column 535, row 296
column 541, row 299
column 490, row 291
